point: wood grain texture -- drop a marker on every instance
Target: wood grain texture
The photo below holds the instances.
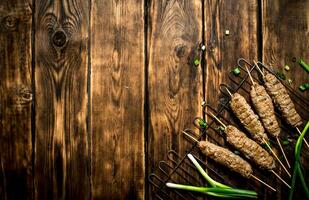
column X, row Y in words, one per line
column 174, row 84
column 16, row 177
column 62, row 155
column 117, row 99
column 285, row 29
column 240, row 19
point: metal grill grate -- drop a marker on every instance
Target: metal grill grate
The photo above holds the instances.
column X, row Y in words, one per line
column 177, row 168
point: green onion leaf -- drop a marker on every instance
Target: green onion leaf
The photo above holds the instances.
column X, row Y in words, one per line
column 212, row 182
column 280, row 75
column 217, row 192
column 202, row 123
column 285, row 142
column 236, row 71
column 304, row 87
column 303, row 65
column 196, row 62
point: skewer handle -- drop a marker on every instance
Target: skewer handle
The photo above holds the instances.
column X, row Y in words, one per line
column 217, row 119
column 285, row 183
column 253, row 83
column 259, row 69
column 286, row 159
column 259, row 180
column 277, row 158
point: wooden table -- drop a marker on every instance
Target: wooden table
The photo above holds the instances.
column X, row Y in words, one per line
column 94, row 93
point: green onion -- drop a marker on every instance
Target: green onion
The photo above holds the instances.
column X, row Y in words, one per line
column 221, row 128
column 202, row 123
column 304, row 87
column 196, row 62
column 217, row 192
column 212, row 182
column 285, row 142
column 217, row 189
column 280, row 75
column 297, row 166
column 303, row 65
column 236, row 71
column 286, row 67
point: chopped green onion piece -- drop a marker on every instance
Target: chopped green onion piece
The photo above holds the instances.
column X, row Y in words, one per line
column 304, row 87
column 212, row 182
column 221, row 128
column 280, row 75
column 196, row 62
column 303, row 65
column 286, row 67
column 285, row 142
column 202, row 123
column 236, row 71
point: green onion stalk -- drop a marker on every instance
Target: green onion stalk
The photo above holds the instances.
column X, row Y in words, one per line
column 217, row 189
column 297, row 166
column 303, row 65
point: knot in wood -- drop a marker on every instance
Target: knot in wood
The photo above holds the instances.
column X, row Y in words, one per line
column 59, row 39
column 180, row 50
column 10, row 22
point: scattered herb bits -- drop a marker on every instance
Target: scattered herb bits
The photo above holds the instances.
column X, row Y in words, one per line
column 280, row 75
column 236, row 71
column 221, row 128
column 304, row 87
column 303, row 65
column 227, row 32
column 290, row 81
column 202, row 123
column 285, row 142
column 196, row 62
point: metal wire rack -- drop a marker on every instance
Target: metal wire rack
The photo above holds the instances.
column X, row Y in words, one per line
column 177, row 168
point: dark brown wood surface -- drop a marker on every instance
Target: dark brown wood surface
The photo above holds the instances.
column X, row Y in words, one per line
column 62, row 153
column 285, row 32
column 117, row 100
column 16, row 174
column 93, row 94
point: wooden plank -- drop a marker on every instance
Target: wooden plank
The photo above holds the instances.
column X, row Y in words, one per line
column 117, row 99
column 61, row 64
column 175, row 85
column 16, row 177
column 239, row 18
column 285, row 37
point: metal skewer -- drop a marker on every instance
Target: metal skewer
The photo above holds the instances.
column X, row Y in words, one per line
column 286, row 159
column 295, row 127
column 218, row 120
column 266, row 142
column 251, row 175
